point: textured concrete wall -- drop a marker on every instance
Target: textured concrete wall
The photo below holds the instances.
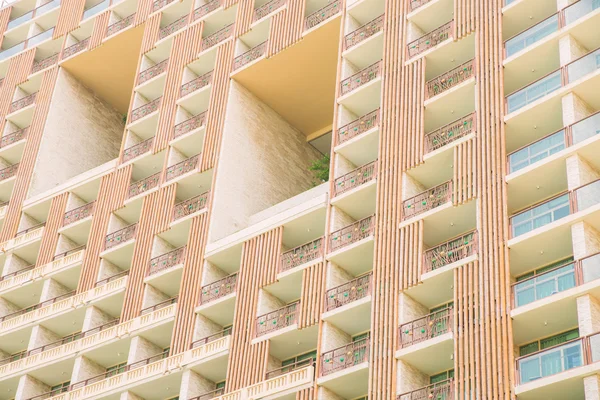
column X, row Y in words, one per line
column 52, row 289
column 342, row 166
column 161, row 247
column 41, row 336
column 74, row 202
column 326, row 394
column 267, row 303
column 574, row 108
column 6, row 307
column 13, row 263
column 107, row 269
column 591, row 386
column 569, row 49
column 29, row 387
column 586, row 240
column 273, row 363
column 65, row 244
column 336, row 276
column 95, row 317
column 193, row 385
column 84, row 368
column 81, row 132
column 580, row 172
column 130, row 396
column 205, row 327
column 153, row 296
column 333, row 337
column 211, row 273
column 588, row 315
column 141, row 349
column 409, row 309
column 411, row 187
column 410, row 378
column 339, row 219
column 263, row 161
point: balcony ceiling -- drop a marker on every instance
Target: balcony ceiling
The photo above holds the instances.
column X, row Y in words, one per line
column 299, row 82
column 109, row 70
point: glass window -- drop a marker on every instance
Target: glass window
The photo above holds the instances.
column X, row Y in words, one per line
column 441, row 376
column 548, row 342
column 116, row 369
column 220, row 385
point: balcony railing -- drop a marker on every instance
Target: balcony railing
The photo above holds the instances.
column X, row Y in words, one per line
column 352, row 233
column 267, row 8
column 364, row 32
column 349, row 292
column 44, row 8
column 534, row 91
column 427, row 200
column 217, row 37
column 75, row 48
column 211, row 338
column 182, row 167
column 213, row 394
column 9, row 172
column 173, row 27
column 450, row 251
column 19, row 272
column 104, row 281
column 585, row 128
column 95, row 9
column 11, row 51
column 68, row 252
column 143, row 185
column 278, row 319
column 354, row 179
column 539, row 215
column 22, row 102
column 153, row 71
column 190, row 206
column 450, row 79
column 158, row 4
column 158, row 306
column 586, row 196
column 323, row 14
column 547, row 284
column 120, row 236
column 249, row 56
column 427, row 327
column 145, row 109
column 301, row 255
column 206, row 9
column 138, row 149
column 360, row 78
column 532, row 35
column 196, row 83
column 449, row 133
column 189, row 125
column 218, row 289
column 289, row 368
column 120, row 25
column 39, row 38
column 430, row 40
column 358, row 126
column 414, row 4
column 443, row 390
column 14, row 137
column 166, row 261
column 345, row 357
column 79, row 213
column 44, row 63
column 30, row 229
column 550, row 361
column 583, row 66
column 579, row 9
column 37, row 306
column 537, row 150
column 50, row 394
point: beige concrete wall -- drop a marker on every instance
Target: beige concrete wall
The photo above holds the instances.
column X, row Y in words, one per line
column 205, row 327
column 410, row 378
column 570, row 49
column 95, row 317
column 409, row 309
column 339, row 219
column 580, row 172
column 81, row 132
column 574, row 108
column 84, row 368
column 411, row 187
column 336, row 276
column 591, row 386
column 141, row 349
column 273, row 363
column 41, row 336
column 333, row 337
column 13, row 263
column 267, row 303
column 588, row 315
column 130, row 396
column 52, row 289
column 6, row 307
column 29, row 387
column 211, row 273
column 153, row 296
column 263, row 161
column 326, row 394
column 586, row 241
column 107, row 269
column 193, row 384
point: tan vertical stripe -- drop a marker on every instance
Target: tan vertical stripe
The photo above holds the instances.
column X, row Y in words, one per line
column 286, row 27
column 151, row 30
column 143, row 11
column 313, row 290
column 53, row 223
column 244, row 16
column 69, row 17
column 99, row 30
column 4, row 18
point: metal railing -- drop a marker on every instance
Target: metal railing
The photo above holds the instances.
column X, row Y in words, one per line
column 534, row 91
column 213, row 394
column 111, row 278
column 166, row 261
column 217, row 37
column 354, row 179
column 79, row 213
column 218, row 289
column 153, row 71
column 551, row 361
column 206, row 9
column 145, row 109
column 19, row 272
column 68, row 252
column 95, row 9
column 323, row 14
column 21, row 19
column 364, row 32
column 427, row 200
column 360, row 78
column 430, row 39
column 450, row 251
column 537, row 150
column 357, row 288
column 211, row 338
column 196, row 83
column 278, row 319
column 31, row 228
column 582, row 66
column 158, row 4
column 543, row 285
column 449, row 79
column 44, row 63
column 14, row 137
column 301, row 255
column 427, row 327
column 37, row 306
column 75, row 48
column 540, row 214
column 137, row 149
column 190, row 206
column 39, row 37
column 120, row 25
column 345, row 356
column 585, row 196
column 121, row 236
column 532, row 34
column 22, row 102
column 358, row 126
column 182, row 167
column 352, row 233
column 289, row 368
column 189, row 125
column 414, row 4
column 158, row 306
column 450, row 132
column 251, row 55
column 143, row 185
column 267, row 8
column 443, row 390
column 173, row 27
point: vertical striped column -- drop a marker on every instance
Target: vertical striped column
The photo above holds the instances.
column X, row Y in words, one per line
column 54, row 222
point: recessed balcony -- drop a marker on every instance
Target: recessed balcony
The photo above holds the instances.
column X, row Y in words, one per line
column 217, row 37
column 250, row 56
column 173, row 27
column 211, row 338
column 120, row 237
column 190, row 207
column 195, row 94
column 361, row 92
column 79, row 214
column 450, row 252
column 44, row 63
column 165, row 262
column 345, row 370
column 75, row 48
column 159, row 306
column 539, row 215
column 182, row 168
column 158, row 4
column 427, row 200
column 532, row 35
column 302, row 256
column 364, row 46
column 217, row 300
column 12, row 138
column 352, row 246
column 430, row 40
column 450, row 79
column 450, row 133
column 120, row 25
column 206, row 9
column 358, row 141
column 285, row 317
column 189, row 126
column 9, row 172
column 318, row 17
column 152, row 72
column 267, row 9
column 438, row 391
column 143, row 186
column 22, row 103
column 356, row 178
column 95, row 9
column 348, row 306
column 36, row 12
column 143, row 112
column 137, row 150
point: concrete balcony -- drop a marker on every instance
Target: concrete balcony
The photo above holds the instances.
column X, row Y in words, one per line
column 188, row 128
column 217, row 300
column 439, row 391
column 74, row 49
column 12, row 145
column 430, row 40
column 345, row 370
column 254, row 54
column 152, row 72
column 165, row 271
column 352, row 246
column 267, row 9
column 183, row 168
column 358, row 141
column 300, row 257
column 348, row 306
column 427, row 343
column 364, row 46
column 355, row 193
column 319, row 17
column 427, row 201
column 144, row 117
column 138, row 149
column 438, row 139
column 206, row 9
column 120, row 25
column 361, row 92
column 118, row 246
column 216, row 38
